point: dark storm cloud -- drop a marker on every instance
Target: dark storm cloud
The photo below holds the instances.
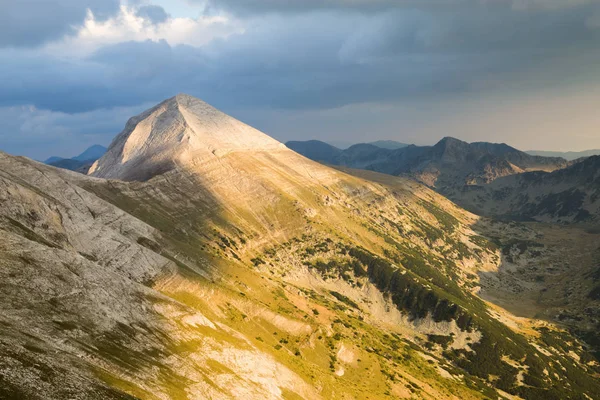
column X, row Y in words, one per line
column 124, row 74
column 322, row 59
column 252, row 69
column 480, row 30
column 261, row 6
column 152, row 13
column 33, row 22
column 251, row 7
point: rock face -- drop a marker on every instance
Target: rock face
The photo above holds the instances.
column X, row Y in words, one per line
column 177, row 133
column 218, row 264
column 71, row 270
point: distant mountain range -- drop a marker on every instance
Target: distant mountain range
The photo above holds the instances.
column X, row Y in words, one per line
column 80, row 163
column 450, row 163
column 568, row 155
column 486, row 178
column 388, row 144
column 317, row 151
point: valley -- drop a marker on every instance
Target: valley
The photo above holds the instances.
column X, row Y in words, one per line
column 547, row 272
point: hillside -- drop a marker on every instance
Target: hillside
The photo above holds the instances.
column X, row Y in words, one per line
column 214, row 262
column 567, row 195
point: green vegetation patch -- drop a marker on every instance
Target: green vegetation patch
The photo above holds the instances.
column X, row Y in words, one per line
column 344, row 299
column 446, row 220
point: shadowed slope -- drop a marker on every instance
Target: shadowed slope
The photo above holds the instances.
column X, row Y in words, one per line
column 567, row 195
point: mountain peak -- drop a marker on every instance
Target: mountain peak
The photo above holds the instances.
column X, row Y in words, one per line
column 185, row 96
column 449, row 140
column 186, row 100
column 450, row 149
column 179, row 131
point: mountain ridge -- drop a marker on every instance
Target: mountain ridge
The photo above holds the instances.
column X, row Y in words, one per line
column 93, row 152
column 388, row 144
column 449, row 164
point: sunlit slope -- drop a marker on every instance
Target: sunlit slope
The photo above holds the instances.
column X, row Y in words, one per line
column 354, row 256
column 120, row 307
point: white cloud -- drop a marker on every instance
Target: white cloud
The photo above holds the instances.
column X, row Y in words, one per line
column 129, row 25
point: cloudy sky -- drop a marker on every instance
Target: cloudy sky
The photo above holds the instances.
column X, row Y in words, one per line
column 524, row 72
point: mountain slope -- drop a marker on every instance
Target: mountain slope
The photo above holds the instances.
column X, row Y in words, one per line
column 52, row 159
column 201, row 323
column 258, row 274
column 71, row 270
column 568, row 195
column 91, row 153
column 73, row 165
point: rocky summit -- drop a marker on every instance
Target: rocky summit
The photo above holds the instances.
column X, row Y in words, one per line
column 202, row 259
column 180, row 132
